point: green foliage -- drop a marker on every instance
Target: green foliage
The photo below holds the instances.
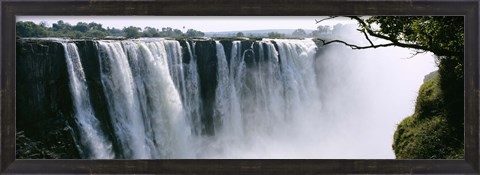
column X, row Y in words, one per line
column 429, row 101
column 81, row 27
column 439, row 34
column 428, row 134
column 115, row 32
column 151, row 32
column 276, row 35
column 194, row 33
column 30, row 29
column 95, row 30
column 424, row 139
column 131, row 32
column 240, row 34
column 61, row 26
column 168, row 31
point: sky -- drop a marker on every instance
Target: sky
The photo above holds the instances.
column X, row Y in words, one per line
column 201, row 23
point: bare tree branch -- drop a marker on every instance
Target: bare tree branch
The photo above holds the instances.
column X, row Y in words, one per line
column 367, row 31
column 330, row 17
column 353, row 46
column 416, row 53
column 366, row 36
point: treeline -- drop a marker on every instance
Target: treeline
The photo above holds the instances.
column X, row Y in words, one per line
column 96, row 30
column 320, row 32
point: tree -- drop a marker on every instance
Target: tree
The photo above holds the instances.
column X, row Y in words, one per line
column 177, row 33
column 30, row 29
column 95, row 30
column 276, row 35
column 240, row 34
column 81, row 27
column 442, row 36
column 167, row 31
column 131, row 32
column 115, row 32
column 94, row 33
column 96, row 26
column 194, row 33
column 299, row 33
column 151, row 32
column 61, row 26
column 43, row 24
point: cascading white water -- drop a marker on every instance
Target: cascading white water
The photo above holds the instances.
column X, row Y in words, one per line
column 164, row 108
column 92, row 138
column 123, row 103
column 192, row 102
column 264, row 103
column 227, row 104
column 278, row 104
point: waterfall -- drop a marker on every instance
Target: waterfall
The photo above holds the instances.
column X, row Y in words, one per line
column 193, row 102
column 164, row 102
column 227, row 103
column 123, row 103
column 270, row 99
column 93, row 142
column 153, row 96
column 299, row 77
column 144, row 83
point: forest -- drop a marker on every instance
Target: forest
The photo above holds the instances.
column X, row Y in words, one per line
column 96, row 30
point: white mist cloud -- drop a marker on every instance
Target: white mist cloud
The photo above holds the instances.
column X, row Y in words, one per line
column 366, row 94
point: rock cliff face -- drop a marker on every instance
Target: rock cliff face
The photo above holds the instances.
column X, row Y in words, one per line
column 207, row 71
column 43, row 103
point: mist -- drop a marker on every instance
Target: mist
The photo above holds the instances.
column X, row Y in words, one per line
column 272, row 98
column 354, row 101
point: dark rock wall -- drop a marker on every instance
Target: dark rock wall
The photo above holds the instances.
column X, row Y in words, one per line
column 43, row 101
column 207, row 70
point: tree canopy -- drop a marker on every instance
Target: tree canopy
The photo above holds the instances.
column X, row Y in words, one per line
column 30, row 29
column 132, row 32
column 96, row 30
column 240, row 34
column 194, row 33
column 441, row 35
column 276, row 35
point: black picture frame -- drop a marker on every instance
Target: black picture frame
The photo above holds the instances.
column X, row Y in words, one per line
column 11, row 8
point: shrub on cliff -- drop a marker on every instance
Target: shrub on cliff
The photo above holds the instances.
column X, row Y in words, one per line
column 428, row 134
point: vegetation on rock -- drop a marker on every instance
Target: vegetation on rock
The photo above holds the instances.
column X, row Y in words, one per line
column 428, row 134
